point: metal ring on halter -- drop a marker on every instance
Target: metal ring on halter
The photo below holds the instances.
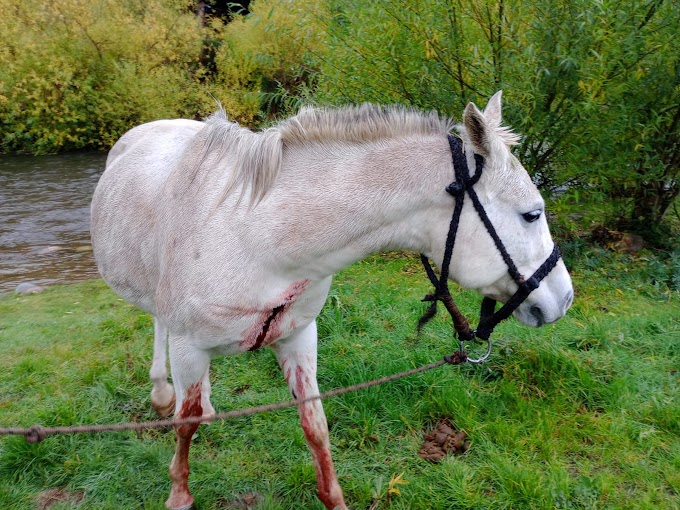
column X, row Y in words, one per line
column 481, row 359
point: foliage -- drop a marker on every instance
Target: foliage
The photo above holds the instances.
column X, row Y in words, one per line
column 579, row 414
column 77, row 74
column 593, row 87
column 266, row 59
column 629, row 81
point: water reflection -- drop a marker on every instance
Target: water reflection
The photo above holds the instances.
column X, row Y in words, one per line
column 45, row 218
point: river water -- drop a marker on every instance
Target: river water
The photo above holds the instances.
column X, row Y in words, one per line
column 45, row 218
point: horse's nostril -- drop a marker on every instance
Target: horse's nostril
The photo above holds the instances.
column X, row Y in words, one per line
column 538, row 315
column 568, row 299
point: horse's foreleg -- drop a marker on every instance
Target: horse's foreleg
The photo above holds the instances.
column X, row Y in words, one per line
column 189, row 367
column 162, row 394
column 297, row 358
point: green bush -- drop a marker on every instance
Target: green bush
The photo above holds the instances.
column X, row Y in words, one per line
column 76, row 74
column 266, row 61
column 593, row 87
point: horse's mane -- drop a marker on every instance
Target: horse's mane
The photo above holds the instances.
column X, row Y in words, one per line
column 257, row 156
column 362, row 123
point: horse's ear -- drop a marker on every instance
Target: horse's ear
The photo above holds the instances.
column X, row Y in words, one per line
column 482, row 128
column 492, row 112
column 476, row 129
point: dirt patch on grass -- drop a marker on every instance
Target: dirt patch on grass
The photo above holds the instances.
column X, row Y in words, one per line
column 241, row 389
column 443, row 440
column 246, row 501
column 47, row 499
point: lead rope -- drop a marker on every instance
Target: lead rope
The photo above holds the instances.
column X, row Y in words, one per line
column 38, row 433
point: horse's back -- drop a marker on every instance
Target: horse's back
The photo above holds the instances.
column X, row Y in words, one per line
column 125, row 205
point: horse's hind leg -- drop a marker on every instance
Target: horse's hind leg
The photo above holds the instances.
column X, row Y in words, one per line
column 297, row 358
column 162, row 394
column 189, row 366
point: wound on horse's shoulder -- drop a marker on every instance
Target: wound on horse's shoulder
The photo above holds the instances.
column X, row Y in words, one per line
column 265, row 327
column 269, row 326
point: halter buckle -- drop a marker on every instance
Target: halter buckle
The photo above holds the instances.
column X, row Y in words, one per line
column 482, row 358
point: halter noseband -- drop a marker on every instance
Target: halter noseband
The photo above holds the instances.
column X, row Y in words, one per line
column 488, row 317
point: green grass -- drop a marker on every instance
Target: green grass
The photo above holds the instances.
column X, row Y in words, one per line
column 582, row 414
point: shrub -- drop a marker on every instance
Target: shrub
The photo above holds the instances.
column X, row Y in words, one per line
column 77, row 74
column 593, row 87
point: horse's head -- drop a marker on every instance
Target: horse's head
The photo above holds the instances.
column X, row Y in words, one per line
column 516, row 210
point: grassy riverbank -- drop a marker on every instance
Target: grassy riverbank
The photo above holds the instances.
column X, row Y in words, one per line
column 580, row 414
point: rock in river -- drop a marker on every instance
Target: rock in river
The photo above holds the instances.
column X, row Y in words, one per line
column 28, row 288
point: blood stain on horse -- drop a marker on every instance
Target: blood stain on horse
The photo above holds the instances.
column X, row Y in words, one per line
column 300, row 383
column 180, row 496
column 265, row 327
column 191, row 405
column 313, row 426
column 269, row 325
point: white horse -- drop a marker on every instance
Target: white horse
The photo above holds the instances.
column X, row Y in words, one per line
column 230, row 238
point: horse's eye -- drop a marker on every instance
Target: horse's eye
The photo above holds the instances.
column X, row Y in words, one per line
column 531, row 216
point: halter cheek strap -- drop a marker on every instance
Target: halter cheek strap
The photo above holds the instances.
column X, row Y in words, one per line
column 489, row 318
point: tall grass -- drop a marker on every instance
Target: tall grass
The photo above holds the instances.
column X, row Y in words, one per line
column 582, row 414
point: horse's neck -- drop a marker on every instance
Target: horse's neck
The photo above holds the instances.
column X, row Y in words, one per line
column 335, row 207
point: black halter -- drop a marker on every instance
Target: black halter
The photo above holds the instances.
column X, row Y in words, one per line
column 488, row 318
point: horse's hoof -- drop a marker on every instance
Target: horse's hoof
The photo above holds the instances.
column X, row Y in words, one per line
column 164, row 410
column 190, row 506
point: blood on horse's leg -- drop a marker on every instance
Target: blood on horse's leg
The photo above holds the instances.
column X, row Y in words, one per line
column 297, row 358
column 180, row 497
column 314, row 425
column 188, row 369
